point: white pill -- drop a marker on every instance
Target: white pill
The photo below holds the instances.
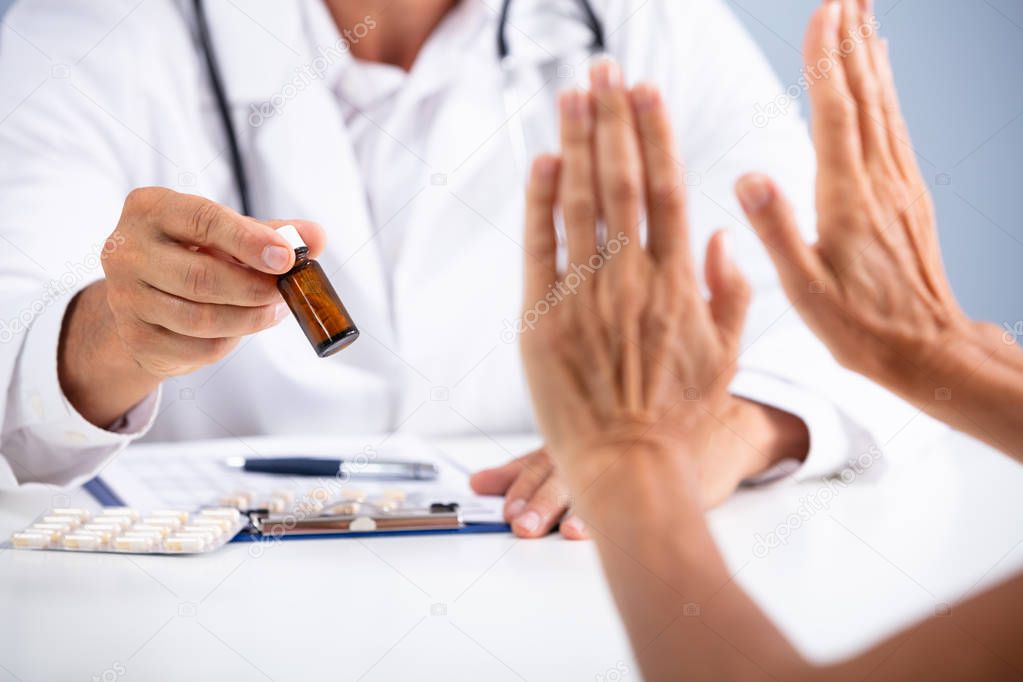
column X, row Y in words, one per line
column 69, row 520
column 105, row 536
column 274, row 505
column 62, row 527
column 232, row 515
column 353, row 494
column 396, row 494
column 181, row 516
column 166, row 521
column 185, row 543
column 79, row 514
column 319, row 494
column 120, row 511
column 110, row 528
column 384, row 504
column 222, row 524
column 121, row 522
column 286, row 495
column 83, row 541
column 162, row 531
column 135, row 543
column 31, row 540
column 346, row 508
column 210, row 532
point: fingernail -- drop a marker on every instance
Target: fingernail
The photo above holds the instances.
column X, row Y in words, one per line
column 833, row 14
column 280, row 312
column 528, row 522
column 574, row 524
column 727, row 246
column 754, row 193
column 646, row 97
column 606, row 74
column 515, row 508
column 545, row 165
column 276, row 257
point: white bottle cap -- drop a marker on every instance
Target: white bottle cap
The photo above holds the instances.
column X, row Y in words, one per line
column 291, row 235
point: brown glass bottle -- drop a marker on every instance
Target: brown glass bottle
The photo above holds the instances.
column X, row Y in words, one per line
column 313, row 301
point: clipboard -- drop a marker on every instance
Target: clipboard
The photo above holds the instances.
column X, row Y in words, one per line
column 439, row 519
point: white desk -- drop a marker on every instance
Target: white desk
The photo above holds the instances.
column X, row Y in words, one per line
column 914, row 531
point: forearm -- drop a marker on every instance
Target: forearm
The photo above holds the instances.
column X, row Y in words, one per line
column 972, row 381
column 685, row 615
column 97, row 374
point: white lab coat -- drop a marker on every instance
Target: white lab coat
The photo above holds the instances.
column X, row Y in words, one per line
column 415, row 178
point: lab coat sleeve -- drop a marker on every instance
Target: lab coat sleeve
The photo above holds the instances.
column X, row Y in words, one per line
column 733, row 116
column 62, row 184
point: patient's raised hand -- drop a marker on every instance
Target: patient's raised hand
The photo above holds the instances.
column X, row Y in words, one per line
column 873, row 287
column 626, row 355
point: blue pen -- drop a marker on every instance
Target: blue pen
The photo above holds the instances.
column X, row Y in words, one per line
column 379, row 469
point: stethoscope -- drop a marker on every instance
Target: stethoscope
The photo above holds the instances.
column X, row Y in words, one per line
column 234, row 150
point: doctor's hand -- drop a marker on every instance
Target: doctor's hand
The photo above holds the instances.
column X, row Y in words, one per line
column 632, row 361
column 536, row 497
column 185, row 279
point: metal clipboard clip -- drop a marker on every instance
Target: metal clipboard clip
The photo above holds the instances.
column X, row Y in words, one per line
column 438, row 516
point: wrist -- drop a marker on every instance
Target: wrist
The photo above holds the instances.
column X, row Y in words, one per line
column 97, row 374
column 761, row 436
column 634, row 459
column 645, row 478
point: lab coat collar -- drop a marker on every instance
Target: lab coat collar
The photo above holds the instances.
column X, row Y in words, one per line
column 264, row 44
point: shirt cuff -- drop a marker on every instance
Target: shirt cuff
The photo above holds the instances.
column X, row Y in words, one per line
column 835, row 440
column 48, row 440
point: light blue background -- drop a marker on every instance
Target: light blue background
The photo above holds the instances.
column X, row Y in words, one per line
column 958, row 64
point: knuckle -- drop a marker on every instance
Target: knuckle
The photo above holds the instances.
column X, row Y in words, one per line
column 623, row 187
column 142, row 199
column 841, row 114
column 212, row 350
column 262, row 288
column 580, row 206
column 260, row 318
column 199, row 319
column 202, row 221
column 199, row 280
column 666, row 193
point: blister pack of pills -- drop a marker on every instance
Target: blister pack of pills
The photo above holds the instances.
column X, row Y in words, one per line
column 125, row 530
column 331, row 509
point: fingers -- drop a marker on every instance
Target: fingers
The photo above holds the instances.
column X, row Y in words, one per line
column 898, row 131
column 204, row 320
column 497, row 480
column 540, row 241
column 864, row 82
column 573, row 528
column 535, row 470
column 543, row 510
column 667, row 234
column 197, row 221
column 577, row 190
column 618, row 164
column 729, row 290
column 836, row 135
column 204, row 278
column 774, row 221
column 165, row 353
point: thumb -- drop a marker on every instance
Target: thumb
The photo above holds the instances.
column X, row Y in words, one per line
column 772, row 217
column 312, row 233
column 729, row 290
